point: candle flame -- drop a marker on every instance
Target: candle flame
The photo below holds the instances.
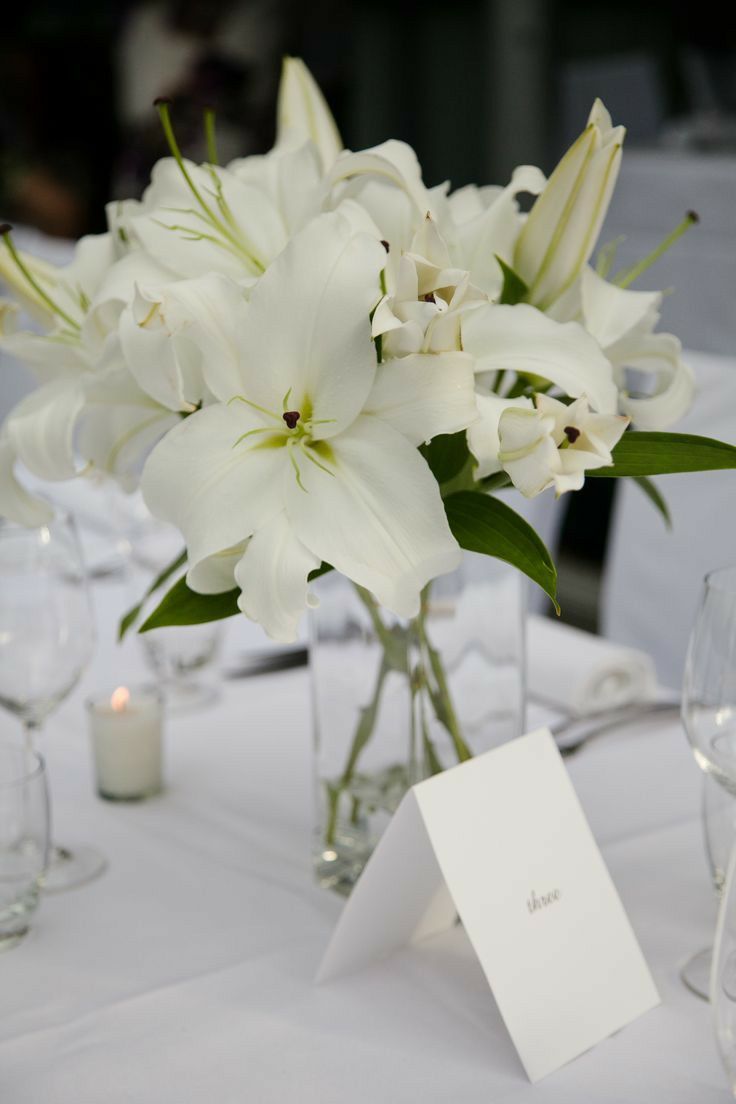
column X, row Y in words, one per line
column 120, row 698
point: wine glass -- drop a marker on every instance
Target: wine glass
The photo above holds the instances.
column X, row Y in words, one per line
column 709, row 718
column 46, row 641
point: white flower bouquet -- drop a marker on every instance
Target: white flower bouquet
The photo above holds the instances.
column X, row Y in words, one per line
column 310, row 360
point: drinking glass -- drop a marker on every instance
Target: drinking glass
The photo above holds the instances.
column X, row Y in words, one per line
column 24, row 839
column 183, row 658
column 46, row 640
column 709, row 718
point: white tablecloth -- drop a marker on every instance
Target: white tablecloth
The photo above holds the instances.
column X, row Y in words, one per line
column 184, row 974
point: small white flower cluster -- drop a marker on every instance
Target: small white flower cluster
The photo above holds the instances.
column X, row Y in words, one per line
column 263, row 346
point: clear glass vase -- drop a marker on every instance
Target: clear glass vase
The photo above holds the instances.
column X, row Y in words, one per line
column 396, row 701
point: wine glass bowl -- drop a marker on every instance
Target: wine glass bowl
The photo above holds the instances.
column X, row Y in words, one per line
column 46, row 628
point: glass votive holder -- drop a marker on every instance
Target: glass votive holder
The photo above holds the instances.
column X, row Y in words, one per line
column 126, row 730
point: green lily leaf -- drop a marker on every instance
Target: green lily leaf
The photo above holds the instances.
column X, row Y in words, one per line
column 651, row 490
column 482, row 523
column 183, row 606
column 446, row 455
column 514, row 289
column 318, row 571
column 639, row 454
column 133, row 614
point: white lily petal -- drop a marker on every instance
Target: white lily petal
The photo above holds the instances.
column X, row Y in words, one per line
column 172, row 336
column 429, row 244
column 216, row 492
column 391, row 162
column 674, row 382
column 423, row 396
column 117, row 288
column 392, row 213
column 41, row 428
column 43, row 272
column 377, row 516
column 174, row 228
column 94, row 255
column 16, row 503
column 493, row 232
column 216, row 574
column 528, row 452
column 47, row 357
column 522, row 339
column 120, row 424
column 158, row 356
column 610, row 312
column 272, row 576
column 292, row 178
column 119, row 214
column 405, row 340
column 483, row 439
column 322, row 354
column 302, row 113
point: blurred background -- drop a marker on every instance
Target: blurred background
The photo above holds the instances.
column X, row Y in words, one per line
column 476, row 86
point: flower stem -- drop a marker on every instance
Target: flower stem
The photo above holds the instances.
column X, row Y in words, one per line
column 363, row 733
column 210, row 135
column 627, row 277
column 442, row 700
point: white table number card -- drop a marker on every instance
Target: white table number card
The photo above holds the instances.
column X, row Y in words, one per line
column 502, row 842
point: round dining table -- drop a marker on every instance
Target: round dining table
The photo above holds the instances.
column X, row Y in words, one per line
column 185, row 973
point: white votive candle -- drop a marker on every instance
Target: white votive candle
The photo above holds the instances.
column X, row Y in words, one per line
column 126, row 728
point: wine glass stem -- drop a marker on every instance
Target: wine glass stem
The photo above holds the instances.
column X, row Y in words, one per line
column 31, row 730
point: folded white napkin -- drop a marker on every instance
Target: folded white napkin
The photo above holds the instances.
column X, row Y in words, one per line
column 581, row 673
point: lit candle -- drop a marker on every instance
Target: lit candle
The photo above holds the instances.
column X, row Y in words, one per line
column 126, row 727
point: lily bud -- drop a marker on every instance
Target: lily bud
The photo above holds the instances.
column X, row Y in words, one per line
column 302, row 114
column 563, row 226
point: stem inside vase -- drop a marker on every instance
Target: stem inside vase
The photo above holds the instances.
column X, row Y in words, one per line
column 409, row 652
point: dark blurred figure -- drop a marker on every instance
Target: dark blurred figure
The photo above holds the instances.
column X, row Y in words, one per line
column 200, row 53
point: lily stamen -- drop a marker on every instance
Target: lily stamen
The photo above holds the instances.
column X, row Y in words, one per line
column 5, row 230
column 261, row 409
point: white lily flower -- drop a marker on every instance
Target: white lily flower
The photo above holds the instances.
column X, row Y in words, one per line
column 423, row 311
column 523, row 340
column 563, row 226
column 53, row 431
column 302, row 114
column 623, row 321
column 314, row 458
column 554, row 444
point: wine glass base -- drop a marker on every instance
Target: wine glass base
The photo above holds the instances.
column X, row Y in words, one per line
column 68, row 869
column 189, row 695
column 696, row 973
